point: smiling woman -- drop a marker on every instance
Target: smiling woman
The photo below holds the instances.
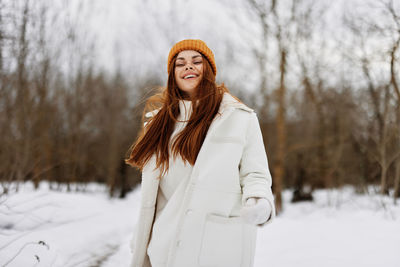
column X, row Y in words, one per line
column 188, row 71
column 205, row 178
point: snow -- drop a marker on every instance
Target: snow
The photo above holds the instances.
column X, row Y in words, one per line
column 80, row 229
column 340, row 228
column 354, row 231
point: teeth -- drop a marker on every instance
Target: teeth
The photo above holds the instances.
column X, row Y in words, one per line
column 190, row 76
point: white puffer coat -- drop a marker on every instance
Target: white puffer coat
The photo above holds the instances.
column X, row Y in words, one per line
column 231, row 167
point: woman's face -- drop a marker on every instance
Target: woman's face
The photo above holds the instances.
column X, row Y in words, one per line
column 188, row 70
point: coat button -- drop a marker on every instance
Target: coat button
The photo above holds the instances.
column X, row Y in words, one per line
column 188, row 212
column 178, row 243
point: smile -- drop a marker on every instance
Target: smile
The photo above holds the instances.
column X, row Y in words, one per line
column 189, row 76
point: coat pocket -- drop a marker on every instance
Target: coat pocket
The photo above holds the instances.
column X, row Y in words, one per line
column 222, row 242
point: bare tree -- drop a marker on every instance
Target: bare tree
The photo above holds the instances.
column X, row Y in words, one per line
column 23, row 96
column 380, row 144
column 274, row 26
column 395, row 30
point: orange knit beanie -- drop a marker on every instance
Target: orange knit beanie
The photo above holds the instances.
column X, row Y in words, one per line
column 193, row 44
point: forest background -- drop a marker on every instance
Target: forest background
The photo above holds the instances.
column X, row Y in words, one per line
column 323, row 77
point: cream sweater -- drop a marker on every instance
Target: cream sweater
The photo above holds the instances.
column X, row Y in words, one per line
column 170, row 196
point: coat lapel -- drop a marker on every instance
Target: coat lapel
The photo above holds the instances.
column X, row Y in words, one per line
column 227, row 106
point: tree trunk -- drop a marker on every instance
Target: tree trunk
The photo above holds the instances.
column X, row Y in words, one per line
column 281, row 135
column 397, row 182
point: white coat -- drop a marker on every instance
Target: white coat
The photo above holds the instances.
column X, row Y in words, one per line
column 231, row 167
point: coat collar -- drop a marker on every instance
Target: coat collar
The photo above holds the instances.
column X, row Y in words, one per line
column 228, row 101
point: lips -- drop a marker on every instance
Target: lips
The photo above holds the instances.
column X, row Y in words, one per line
column 190, row 76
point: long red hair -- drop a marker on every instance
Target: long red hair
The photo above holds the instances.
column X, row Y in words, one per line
column 154, row 137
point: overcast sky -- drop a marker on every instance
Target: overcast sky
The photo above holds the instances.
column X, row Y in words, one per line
column 139, row 34
column 136, row 35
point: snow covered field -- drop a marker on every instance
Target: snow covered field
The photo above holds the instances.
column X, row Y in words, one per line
column 340, row 228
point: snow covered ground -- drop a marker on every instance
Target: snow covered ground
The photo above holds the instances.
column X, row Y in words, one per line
column 340, row 228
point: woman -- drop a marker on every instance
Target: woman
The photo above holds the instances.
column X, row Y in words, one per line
column 205, row 178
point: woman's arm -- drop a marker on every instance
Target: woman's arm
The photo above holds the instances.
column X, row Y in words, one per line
column 255, row 177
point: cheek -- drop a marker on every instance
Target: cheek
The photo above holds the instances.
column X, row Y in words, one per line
column 179, row 82
column 201, row 69
column 177, row 77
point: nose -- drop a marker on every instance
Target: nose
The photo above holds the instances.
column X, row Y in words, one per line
column 189, row 66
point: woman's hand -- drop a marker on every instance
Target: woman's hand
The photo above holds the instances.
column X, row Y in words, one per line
column 256, row 211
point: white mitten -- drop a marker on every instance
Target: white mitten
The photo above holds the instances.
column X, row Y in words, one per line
column 256, row 211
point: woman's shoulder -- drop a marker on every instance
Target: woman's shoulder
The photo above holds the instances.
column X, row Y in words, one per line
column 154, row 103
column 229, row 100
column 151, row 113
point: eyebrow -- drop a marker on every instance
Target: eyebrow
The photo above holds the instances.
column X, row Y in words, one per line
column 192, row 57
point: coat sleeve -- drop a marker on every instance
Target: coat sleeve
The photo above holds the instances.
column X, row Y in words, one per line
column 255, row 177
